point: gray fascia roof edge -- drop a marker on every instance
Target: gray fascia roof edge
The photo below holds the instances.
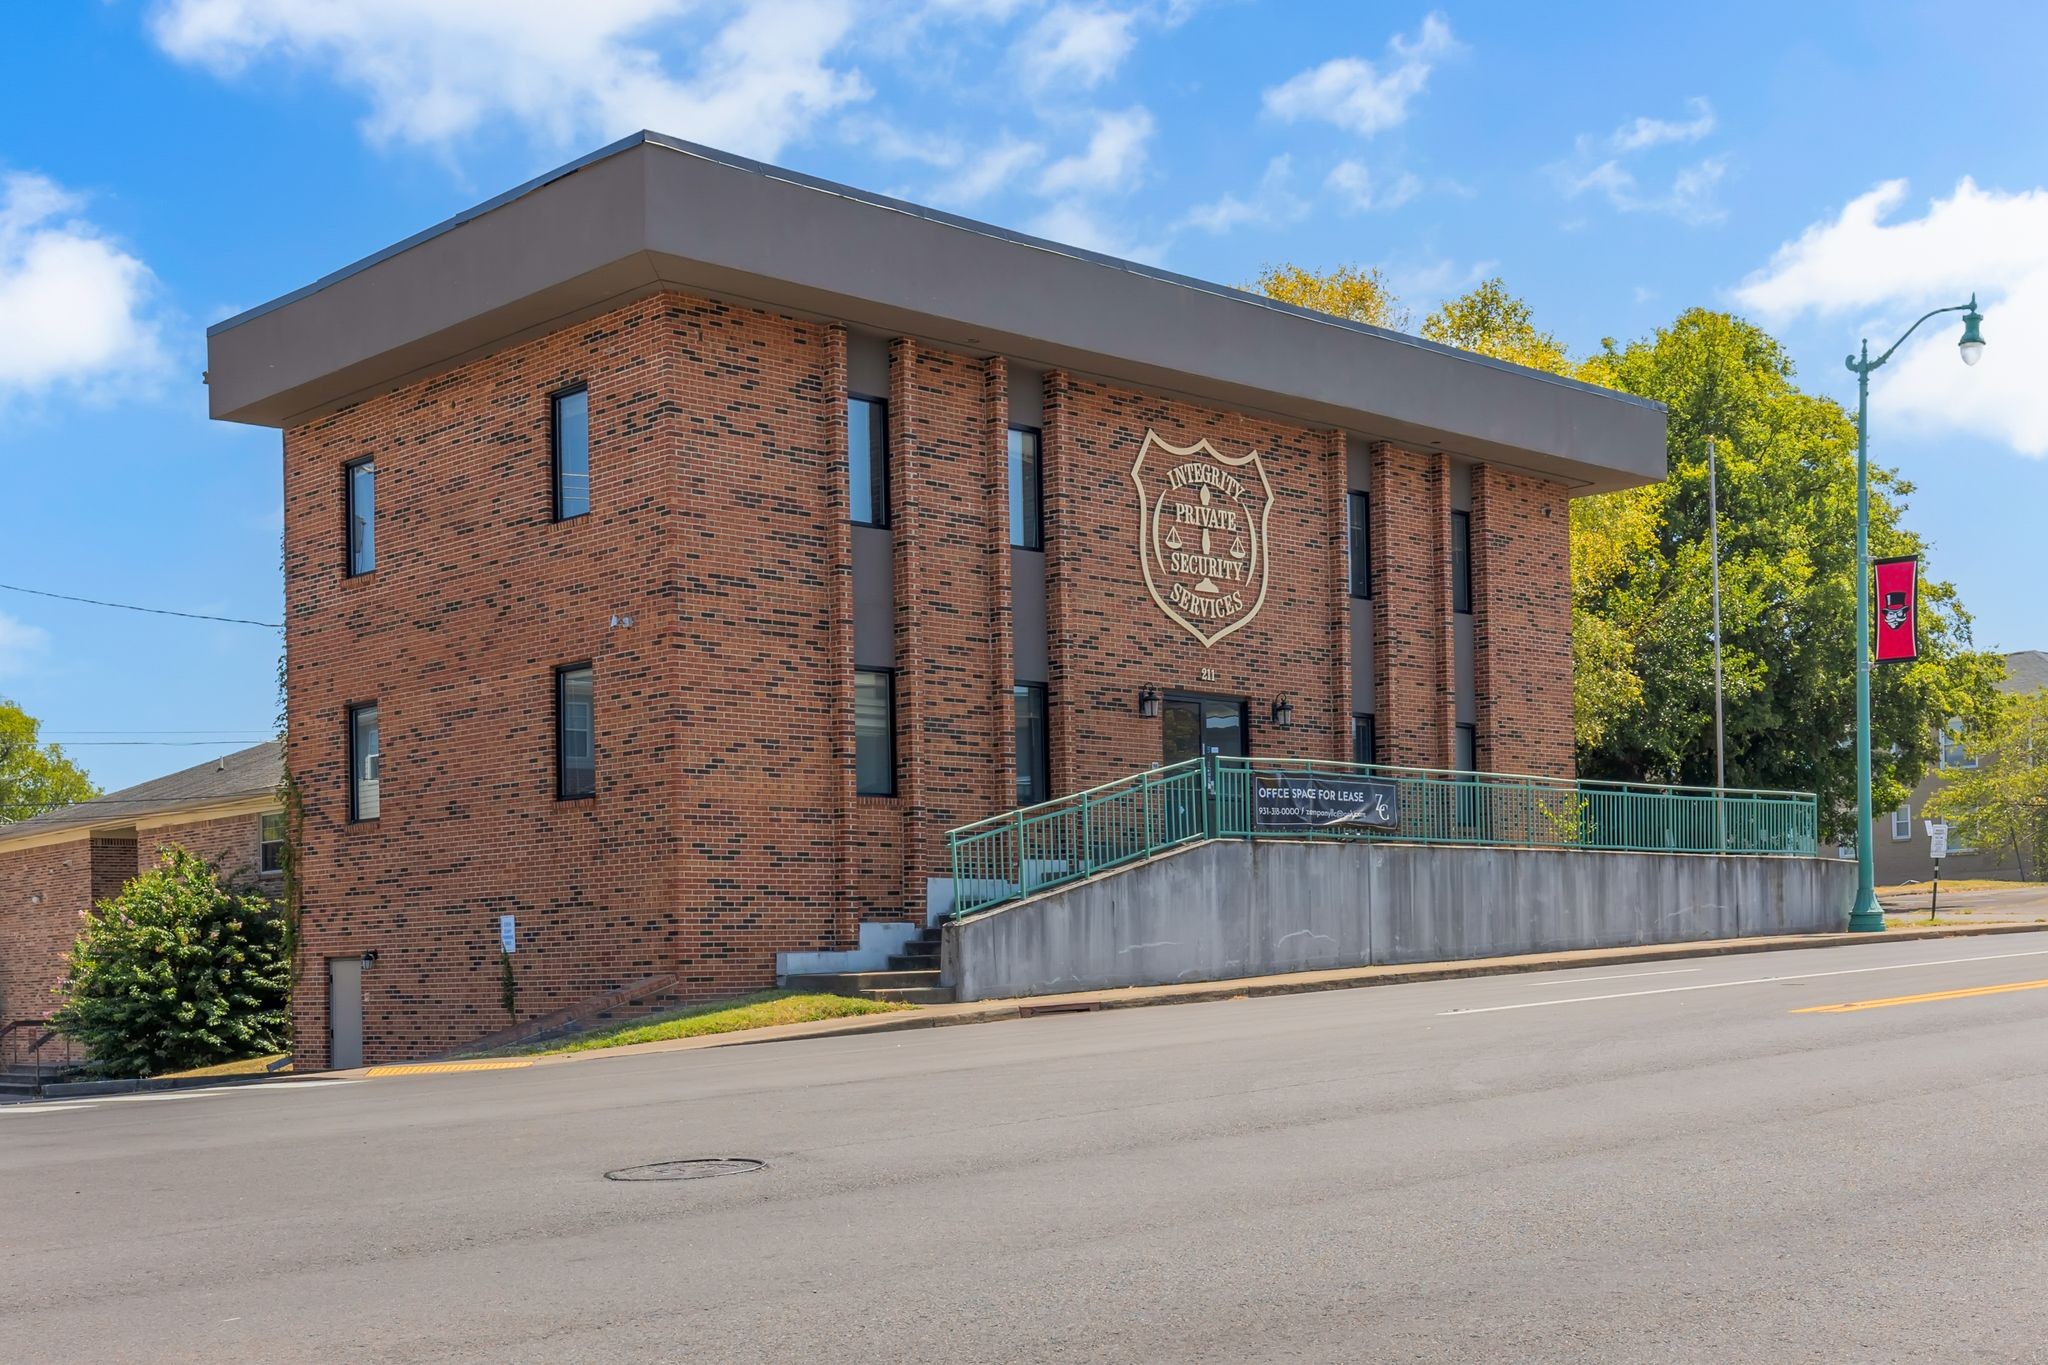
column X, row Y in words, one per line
column 932, row 215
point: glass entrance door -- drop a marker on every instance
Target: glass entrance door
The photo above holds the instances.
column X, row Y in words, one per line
column 1195, row 726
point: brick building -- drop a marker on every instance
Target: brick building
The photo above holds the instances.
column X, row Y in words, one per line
column 54, row 866
column 676, row 547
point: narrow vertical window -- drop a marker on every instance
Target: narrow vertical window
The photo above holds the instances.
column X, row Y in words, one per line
column 867, row 461
column 365, row 763
column 874, row 732
column 1027, row 487
column 571, row 442
column 271, row 843
column 1902, row 824
column 1461, row 562
column 1360, row 508
column 1365, row 744
column 361, row 478
column 1468, row 749
column 575, row 734
column 1033, row 751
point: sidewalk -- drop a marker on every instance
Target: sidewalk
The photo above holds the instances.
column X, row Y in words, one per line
column 1291, row 983
column 1193, row 992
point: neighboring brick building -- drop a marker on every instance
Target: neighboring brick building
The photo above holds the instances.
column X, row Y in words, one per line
column 54, row 866
column 676, row 547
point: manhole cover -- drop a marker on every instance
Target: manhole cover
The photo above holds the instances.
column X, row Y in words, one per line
column 693, row 1168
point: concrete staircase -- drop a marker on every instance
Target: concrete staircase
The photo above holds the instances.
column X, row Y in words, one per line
column 911, row 976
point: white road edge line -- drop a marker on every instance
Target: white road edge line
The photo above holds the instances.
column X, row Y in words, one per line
column 82, row 1102
column 1749, row 981
column 1618, row 976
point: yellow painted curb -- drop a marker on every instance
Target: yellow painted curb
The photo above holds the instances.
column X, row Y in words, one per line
column 435, row 1068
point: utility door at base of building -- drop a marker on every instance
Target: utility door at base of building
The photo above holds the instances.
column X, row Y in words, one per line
column 1195, row 726
column 344, row 1013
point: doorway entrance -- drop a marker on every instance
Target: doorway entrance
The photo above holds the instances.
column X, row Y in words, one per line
column 344, row 1013
column 1195, row 726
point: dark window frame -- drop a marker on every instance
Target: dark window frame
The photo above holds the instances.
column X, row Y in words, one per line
column 1367, row 724
column 1461, row 562
column 348, row 516
column 1043, row 765
column 555, row 447
column 878, row 498
column 894, row 777
column 1358, row 558
column 562, row 792
column 267, row 863
column 1472, row 732
column 1036, row 538
column 355, row 780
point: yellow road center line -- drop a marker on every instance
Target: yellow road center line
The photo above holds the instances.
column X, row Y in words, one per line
column 435, row 1068
column 1854, row 1005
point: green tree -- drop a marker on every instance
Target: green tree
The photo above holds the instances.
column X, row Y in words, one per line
column 1642, row 620
column 1788, row 512
column 34, row 777
column 177, row 971
column 1494, row 322
column 1346, row 292
column 2001, row 805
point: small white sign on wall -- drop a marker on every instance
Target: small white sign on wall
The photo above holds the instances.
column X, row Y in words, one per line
column 508, row 934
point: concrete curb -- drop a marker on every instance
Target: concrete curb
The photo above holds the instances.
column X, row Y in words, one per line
column 65, row 1090
column 1293, row 983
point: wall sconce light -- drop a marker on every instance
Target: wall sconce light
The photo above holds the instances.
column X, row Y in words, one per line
column 1283, row 713
column 1148, row 703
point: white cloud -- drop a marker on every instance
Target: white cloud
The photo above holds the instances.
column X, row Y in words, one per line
column 1360, row 97
column 1076, row 46
column 893, row 142
column 1111, row 161
column 75, row 304
column 1639, row 133
column 1690, row 198
column 19, row 643
column 983, row 172
column 1884, row 274
column 1074, row 223
column 1273, row 204
column 756, row 79
column 1607, row 166
column 1353, row 185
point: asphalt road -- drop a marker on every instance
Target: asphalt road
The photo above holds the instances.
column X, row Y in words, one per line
column 1651, row 1162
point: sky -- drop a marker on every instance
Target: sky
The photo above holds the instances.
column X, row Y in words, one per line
column 1829, row 171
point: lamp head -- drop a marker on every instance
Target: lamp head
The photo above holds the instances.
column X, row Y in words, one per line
column 1971, row 347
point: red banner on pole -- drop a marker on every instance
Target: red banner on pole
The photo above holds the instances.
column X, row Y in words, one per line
column 1898, row 609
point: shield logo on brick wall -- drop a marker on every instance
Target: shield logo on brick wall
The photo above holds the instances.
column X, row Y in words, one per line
column 1202, row 542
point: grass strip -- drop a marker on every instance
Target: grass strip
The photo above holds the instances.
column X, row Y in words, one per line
column 763, row 1010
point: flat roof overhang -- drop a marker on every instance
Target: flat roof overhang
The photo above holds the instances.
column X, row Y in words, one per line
column 650, row 213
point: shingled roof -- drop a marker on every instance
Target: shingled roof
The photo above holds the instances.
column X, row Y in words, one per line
column 242, row 776
column 2026, row 671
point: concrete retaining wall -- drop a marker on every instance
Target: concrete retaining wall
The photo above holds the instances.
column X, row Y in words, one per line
column 1241, row 908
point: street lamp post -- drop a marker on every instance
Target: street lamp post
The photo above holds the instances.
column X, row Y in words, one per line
column 1867, row 915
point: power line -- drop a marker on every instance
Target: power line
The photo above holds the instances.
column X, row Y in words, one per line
column 153, row 611
column 215, row 730
column 159, row 743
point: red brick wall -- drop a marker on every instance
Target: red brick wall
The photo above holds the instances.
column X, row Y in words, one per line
column 1109, row 638
column 1414, row 678
column 712, row 840
column 115, row 859
column 44, row 894
column 1522, row 622
column 233, row 844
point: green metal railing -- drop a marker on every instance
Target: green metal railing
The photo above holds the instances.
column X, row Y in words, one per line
column 1009, row 856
